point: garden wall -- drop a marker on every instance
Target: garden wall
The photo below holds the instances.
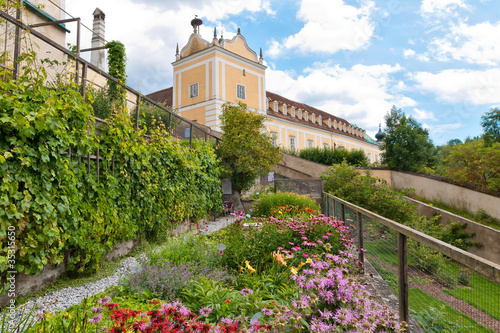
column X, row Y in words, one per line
column 450, row 194
column 488, row 237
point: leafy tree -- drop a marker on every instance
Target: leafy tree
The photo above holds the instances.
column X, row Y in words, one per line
column 442, row 152
column 476, row 164
column 491, row 126
column 246, row 149
column 407, row 144
column 116, row 66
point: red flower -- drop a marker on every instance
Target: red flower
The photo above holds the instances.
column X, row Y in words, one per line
column 227, row 301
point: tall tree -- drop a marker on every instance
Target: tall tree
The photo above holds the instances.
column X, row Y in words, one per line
column 407, row 144
column 491, row 126
column 246, row 149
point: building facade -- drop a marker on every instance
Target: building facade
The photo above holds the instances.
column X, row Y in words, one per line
column 207, row 74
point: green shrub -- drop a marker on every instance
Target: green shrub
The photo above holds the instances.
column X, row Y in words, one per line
column 268, row 203
column 145, row 185
column 330, row 156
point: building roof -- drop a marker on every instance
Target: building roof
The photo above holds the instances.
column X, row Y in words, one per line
column 165, row 96
column 310, row 110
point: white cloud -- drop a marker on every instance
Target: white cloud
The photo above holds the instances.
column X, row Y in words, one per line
column 435, row 6
column 474, row 87
column 150, row 30
column 444, row 128
column 423, row 115
column 361, row 94
column 329, row 26
column 408, row 53
column 479, row 44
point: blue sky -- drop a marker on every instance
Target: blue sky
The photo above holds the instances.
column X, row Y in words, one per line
column 438, row 60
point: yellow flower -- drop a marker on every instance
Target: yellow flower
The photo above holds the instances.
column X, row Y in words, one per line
column 301, row 264
column 309, row 261
column 250, row 268
column 294, row 270
column 279, row 258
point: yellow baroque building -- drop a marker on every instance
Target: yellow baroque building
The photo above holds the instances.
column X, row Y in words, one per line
column 208, row 74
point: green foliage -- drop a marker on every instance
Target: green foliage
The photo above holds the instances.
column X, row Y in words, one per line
column 102, row 104
column 265, row 205
column 475, row 164
column 491, row 126
column 116, row 67
column 246, row 150
column 153, row 117
column 330, row 156
column 226, row 301
column 407, row 144
column 373, row 194
column 56, row 206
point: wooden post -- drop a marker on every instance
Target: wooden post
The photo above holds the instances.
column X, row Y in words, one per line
column 327, row 205
column 334, row 213
column 361, row 253
column 342, row 212
column 170, row 123
column 403, row 277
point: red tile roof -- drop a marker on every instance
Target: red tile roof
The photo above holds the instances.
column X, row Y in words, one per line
column 311, row 110
column 165, row 96
column 162, row 96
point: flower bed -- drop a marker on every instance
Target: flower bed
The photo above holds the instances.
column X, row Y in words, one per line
column 283, row 275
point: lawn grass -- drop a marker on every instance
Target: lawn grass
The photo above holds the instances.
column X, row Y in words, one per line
column 434, row 315
column 481, row 293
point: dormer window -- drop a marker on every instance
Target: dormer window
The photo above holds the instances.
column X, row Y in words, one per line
column 300, row 114
column 284, row 109
column 320, row 120
column 267, row 104
column 193, row 90
column 313, row 118
column 275, row 106
column 293, row 112
column 306, row 116
column 329, row 122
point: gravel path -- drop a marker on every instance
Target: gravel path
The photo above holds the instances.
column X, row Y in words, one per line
column 64, row 298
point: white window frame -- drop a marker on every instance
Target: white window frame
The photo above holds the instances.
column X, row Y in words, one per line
column 326, row 145
column 238, row 87
column 274, row 136
column 329, row 122
column 300, row 114
column 306, row 116
column 275, row 106
column 284, row 109
column 293, row 112
column 292, row 142
column 194, row 88
column 313, row 118
column 310, row 144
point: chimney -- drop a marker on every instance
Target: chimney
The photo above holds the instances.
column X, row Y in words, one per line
column 97, row 57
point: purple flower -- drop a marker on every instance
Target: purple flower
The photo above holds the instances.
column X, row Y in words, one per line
column 97, row 309
column 95, row 319
column 205, row 311
column 245, row 292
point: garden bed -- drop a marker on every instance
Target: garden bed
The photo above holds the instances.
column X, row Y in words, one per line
column 293, row 273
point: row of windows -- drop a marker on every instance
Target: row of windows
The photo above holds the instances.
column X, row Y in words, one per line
column 240, row 91
column 310, row 144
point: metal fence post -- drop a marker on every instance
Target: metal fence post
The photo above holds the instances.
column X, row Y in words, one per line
column 137, row 113
column 17, row 41
column 97, row 164
column 403, row 277
column 191, row 136
column 361, row 253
